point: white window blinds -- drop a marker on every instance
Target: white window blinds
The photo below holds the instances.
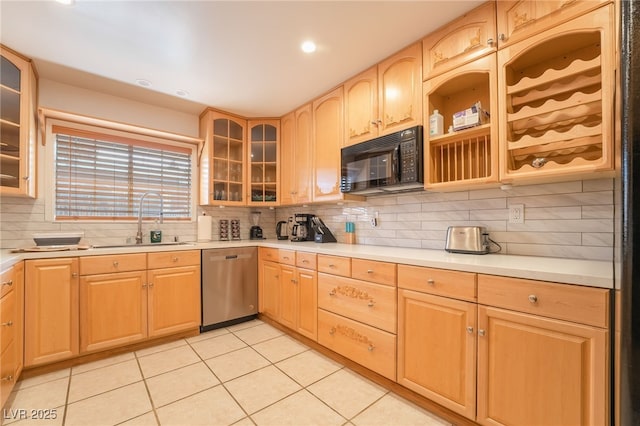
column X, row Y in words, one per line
column 101, row 176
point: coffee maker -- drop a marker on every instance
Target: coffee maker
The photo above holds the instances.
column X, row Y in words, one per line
column 302, row 227
column 255, row 233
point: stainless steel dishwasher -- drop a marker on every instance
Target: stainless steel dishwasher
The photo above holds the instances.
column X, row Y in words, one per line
column 229, row 286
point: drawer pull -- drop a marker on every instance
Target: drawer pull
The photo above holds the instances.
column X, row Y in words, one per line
column 150, row 285
column 369, row 271
column 470, row 330
column 8, row 378
column 371, row 303
column 533, row 298
column 74, row 275
column 331, row 265
column 431, row 281
column 175, row 259
column 332, row 330
column 294, row 281
column 332, row 292
column 9, row 283
column 305, row 261
column 7, row 324
column 481, row 332
column 285, row 257
column 115, row 263
column 371, row 347
column 144, row 285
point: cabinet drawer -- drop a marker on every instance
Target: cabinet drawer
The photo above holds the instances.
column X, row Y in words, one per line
column 336, row 265
column 377, row 272
column 90, row 265
column 306, row 260
column 7, row 281
column 585, row 305
column 288, row 257
column 271, row 254
column 368, row 346
column 169, row 259
column 7, row 320
column 372, row 304
column 458, row 285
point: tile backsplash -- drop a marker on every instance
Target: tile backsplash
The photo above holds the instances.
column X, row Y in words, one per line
column 564, row 220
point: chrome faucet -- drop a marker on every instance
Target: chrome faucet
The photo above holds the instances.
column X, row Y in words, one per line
column 139, row 233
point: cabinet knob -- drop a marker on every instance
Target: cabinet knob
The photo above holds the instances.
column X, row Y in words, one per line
column 115, row 263
column 9, row 283
column 502, row 37
column 331, row 265
column 470, row 330
column 538, row 163
column 481, row 332
column 371, row 303
column 7, row 324
column 369, row 271
column 490, row 42
column 332, row 330
column 150, row 285
column 332, row 292
column 533, row 298
column 175, row 259
column 285, row 257
column 431, row 281
column 294, row 281
column 144, row 285
column 371, row 347
column 26, row 177
column 305, row 261
column 74, row 274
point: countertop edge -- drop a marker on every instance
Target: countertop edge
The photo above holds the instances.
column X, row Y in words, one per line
column 568, row 271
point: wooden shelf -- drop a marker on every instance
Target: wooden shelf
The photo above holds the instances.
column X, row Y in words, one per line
column 576, row 67
column 460, row 134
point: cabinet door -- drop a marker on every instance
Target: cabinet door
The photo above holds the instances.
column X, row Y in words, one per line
column 18, row 279
column 467, row 38
column 51, row 310
column 287, row 158
column 269, row 292
column 520, row 19
column 437, row 349
column 288, row 294
column 533, row 370
column 113, row 310
column 174, row 300
column 361, row 107
column 263, row 150
column 327, row 140
column 303, row 155
column 307, row 323
column 18, row 87
column 400, row 90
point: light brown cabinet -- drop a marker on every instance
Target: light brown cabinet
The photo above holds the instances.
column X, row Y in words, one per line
column 18, row 125
column 327, row 141
column 295, row 168
column 564, row 362
column 51, row 310
column 11, row 328
column 263, row 162
column 222, row 158
column 461, row 41
column 386, row 98
column 556, row 91
column 520, row 19
column 460, row 159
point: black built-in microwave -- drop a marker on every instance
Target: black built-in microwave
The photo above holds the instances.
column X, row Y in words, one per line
column 389, row 163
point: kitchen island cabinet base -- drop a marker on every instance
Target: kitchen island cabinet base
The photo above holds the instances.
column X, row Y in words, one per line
column 376, row 378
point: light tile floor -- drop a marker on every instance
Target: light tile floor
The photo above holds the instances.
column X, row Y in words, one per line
column 246, row 374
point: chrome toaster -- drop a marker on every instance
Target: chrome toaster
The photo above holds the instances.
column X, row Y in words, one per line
column 467, row 239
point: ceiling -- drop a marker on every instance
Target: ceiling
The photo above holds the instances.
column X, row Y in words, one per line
column 243, row 57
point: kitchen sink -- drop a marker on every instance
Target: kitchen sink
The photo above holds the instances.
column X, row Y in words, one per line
column 168, row 243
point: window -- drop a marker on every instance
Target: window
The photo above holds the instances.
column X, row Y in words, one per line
column 103, row 176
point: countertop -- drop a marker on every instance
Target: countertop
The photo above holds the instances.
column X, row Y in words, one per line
column 570, row 271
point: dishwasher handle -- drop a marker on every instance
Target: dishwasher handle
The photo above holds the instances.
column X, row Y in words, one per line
column 232, row 256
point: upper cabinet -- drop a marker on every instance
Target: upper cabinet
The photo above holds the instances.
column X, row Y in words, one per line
column 467, row 38
column 222, row 158
column 556, row 91
column 520, row 19
column 18, row 122
column 295, row 158
column 327, row 142
column 263, row 162
column 385, row 98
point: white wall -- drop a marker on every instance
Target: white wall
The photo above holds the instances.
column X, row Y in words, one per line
column 565, row 220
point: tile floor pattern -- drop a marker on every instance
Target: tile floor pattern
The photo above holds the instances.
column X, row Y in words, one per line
column 246, row 374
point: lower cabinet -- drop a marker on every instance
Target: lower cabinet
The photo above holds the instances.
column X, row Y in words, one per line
column 11, row 328
column 51, row 310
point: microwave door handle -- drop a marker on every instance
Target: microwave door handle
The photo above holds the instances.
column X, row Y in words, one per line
column 396, row 169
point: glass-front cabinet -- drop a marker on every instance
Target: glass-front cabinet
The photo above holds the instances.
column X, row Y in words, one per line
column 17, row 125
column 222, row 158
column 263, row 162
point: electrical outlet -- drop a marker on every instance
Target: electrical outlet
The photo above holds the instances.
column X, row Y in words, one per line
column 516, row 213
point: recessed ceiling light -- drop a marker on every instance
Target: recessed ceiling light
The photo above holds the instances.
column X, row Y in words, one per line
column 144, row 83
column 182, row 93
column 308, row 46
